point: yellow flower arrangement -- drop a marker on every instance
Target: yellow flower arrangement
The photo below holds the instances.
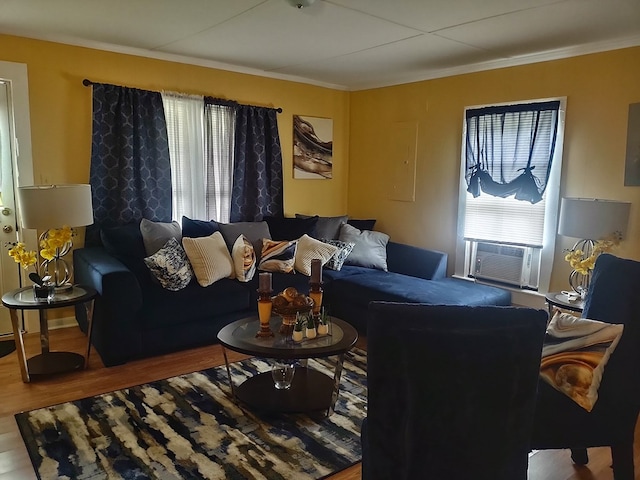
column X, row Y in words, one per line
column 20, row 255
column 55, row 240
column 584, row 265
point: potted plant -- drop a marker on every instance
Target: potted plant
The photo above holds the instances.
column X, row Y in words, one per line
column 323, row 323
column 311, row 327
column 298, row 334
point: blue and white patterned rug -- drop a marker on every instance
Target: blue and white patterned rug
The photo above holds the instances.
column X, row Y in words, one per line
column 186, row 427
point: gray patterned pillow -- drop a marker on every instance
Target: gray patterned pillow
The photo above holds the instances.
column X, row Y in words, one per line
column 338, row 258
column 170, row 266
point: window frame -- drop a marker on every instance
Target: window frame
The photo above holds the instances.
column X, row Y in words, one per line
column 552, row 199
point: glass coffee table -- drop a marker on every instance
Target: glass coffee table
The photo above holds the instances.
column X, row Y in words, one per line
column 311, row 390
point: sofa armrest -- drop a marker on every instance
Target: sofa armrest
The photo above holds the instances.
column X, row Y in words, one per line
column 416, row 262
column 114, row 282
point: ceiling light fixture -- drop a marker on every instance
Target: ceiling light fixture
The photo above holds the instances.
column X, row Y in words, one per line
column 300, row 3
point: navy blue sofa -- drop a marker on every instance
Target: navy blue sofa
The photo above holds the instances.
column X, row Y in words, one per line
column 134, row 317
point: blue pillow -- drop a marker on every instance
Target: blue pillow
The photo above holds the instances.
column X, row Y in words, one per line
column 198, row 228
column 282, row 228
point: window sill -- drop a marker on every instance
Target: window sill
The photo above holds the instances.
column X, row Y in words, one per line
column 522, row 298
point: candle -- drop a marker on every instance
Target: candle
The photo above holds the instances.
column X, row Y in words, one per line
column 316, row 271
column 265, row 282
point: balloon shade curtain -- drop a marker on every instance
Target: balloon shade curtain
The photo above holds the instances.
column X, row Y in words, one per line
column 509, row 149
column 257, row 170
column 130, row 170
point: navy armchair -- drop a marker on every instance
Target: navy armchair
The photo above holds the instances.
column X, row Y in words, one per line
column 559, row 421
column 451, row 391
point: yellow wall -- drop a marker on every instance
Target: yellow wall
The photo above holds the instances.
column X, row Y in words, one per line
column 61, row 111
column 599, row 89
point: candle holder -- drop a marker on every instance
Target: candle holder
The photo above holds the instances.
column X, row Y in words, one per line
column 265, row 305
column 315, row 292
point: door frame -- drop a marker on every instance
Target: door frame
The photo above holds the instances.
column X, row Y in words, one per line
column 16, row 75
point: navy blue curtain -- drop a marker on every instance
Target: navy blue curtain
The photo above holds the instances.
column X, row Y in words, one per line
column 509, row 149
column 257, row 168
column 130, row 169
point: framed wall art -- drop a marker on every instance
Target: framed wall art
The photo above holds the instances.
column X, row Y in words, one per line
column 632, row 163
column 312, row 148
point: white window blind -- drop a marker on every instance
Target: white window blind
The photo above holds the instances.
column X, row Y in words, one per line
column 504, row 220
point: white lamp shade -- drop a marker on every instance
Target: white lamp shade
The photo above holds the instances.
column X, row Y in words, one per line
column 43, row 207
column 592, row 218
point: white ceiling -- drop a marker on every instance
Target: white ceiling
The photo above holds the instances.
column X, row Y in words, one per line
column 346, row 44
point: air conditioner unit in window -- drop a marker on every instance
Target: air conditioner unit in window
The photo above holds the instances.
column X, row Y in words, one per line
column 509, row 264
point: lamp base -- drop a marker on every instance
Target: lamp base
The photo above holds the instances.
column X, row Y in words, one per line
column 62, row 288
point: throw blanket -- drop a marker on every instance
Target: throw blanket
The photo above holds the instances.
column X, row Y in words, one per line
column 574, row 355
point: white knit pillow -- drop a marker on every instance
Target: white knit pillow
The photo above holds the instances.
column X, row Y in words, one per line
column 209, row 258
column 309, row 249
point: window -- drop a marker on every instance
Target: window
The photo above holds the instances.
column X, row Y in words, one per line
column 201, row 150
column 508, row 201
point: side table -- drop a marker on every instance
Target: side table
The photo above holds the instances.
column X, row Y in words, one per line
column 48, row 362
column 561, row 300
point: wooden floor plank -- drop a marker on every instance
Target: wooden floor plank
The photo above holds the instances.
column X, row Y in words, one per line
column 16, row 396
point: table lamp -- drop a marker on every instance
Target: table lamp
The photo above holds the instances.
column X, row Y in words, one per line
column 49, row 207
column 590, row 220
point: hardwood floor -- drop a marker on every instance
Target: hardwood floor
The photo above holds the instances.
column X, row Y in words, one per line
column 16, row 396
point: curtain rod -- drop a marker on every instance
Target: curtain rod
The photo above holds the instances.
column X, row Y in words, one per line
column 86, row 82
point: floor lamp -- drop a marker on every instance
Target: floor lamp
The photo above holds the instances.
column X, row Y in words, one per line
column 49, row 207
column 590, row 220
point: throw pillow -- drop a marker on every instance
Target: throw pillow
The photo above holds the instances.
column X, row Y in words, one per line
column 327, row 227
column 244, row 259
column 209, row 257
column 574, row 355
column 342, row 252
column 362, row 224
column 170, row 266
column 282, row 228
column 254, row 231
column 278, row 256
column 156, row 234
column 310, row 248
column 198, row 228
column 369, row 250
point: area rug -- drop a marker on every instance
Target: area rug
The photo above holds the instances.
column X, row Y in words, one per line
column 187, row 427
column 6, row 347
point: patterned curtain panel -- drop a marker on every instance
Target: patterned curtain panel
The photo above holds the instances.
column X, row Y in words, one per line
column 130, row 169
column 257, row 169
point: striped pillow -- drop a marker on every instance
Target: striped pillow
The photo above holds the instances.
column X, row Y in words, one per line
column 278, row 256
column 210, row 258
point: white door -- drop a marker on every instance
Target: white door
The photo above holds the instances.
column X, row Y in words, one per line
column 9, row 270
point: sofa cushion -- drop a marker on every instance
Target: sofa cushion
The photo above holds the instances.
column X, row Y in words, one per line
column 170, row 266
column 278, row 256
column 309, row 249
column 370, row 248
column 210, row 258
column 327, row 227
column 198, row 228
column 394, row 287
column 367, row 224
column 282, row 228
column 244, row 259
column 156, row 234
column 193, row 303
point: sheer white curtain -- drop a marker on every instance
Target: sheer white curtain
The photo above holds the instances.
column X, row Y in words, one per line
column 185, row 129
column 201, row 139
column 219, row 140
